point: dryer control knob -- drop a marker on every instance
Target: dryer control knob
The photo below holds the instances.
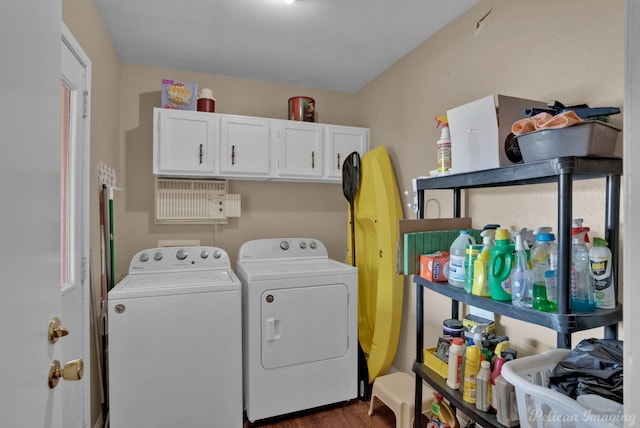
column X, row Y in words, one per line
column 303, row 245
column 313, row 245
column 217, row 254
column 182, row 254
column 144, row 257
column 284, row 245
column 204, row 254
column 157, row 256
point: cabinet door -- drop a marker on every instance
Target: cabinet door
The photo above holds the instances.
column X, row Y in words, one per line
column 244, row 146
column 340, row 141
column 299, row 149
column 184, row 143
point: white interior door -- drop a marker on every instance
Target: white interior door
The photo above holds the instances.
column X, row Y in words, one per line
column 30, row 191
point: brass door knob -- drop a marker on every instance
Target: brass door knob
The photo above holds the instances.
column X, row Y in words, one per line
column 56, row 330
column 73, row 370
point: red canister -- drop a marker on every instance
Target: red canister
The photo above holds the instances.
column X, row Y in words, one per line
column 206, row 102
column 302, row 108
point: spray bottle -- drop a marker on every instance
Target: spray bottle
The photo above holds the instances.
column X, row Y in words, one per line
column 443, row 146
column 521, row 277
column 582, row 291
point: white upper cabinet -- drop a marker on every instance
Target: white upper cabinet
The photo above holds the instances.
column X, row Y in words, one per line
column 340, row 141
column 244, row 147
column 298, row 151
column 199, row 144
column 185, row 144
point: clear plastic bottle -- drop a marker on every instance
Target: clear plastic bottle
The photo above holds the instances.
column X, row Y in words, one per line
column 540, row 264
column 582, row 290
column 521, row 278
column 457, row 257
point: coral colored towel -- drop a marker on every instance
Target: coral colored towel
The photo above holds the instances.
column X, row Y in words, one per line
column 545, row 121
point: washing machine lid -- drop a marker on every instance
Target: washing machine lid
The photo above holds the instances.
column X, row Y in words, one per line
column 172, row 283
column 260, row 270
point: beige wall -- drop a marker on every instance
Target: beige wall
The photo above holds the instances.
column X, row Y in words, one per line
column 571, row 51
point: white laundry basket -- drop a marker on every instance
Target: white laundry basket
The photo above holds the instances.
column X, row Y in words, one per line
column 538, row 405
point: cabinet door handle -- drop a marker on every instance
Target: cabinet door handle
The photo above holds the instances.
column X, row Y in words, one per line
column 313, row 160
column 338, row 167
column 233, row 155
column 200, row 154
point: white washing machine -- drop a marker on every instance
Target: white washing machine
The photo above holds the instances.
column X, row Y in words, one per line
column 300, row 315
column 175, row 341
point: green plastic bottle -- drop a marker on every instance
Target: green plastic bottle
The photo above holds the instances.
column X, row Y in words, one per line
column 500, row 266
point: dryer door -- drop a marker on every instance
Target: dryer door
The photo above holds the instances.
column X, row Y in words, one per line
column 305, row 324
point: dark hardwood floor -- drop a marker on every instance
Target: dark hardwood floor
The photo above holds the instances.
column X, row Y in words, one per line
column 353, row 414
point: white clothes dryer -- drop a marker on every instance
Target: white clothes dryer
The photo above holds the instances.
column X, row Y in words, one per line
column 175, row 341
column 300, row 315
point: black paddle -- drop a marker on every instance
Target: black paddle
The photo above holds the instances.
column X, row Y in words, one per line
column 350, row 186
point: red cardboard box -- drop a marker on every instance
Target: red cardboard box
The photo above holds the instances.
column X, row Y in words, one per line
column 435, row 266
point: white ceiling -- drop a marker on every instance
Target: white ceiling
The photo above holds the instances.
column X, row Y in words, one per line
column 338, row 45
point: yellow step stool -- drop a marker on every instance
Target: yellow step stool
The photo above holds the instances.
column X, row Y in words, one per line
column 397, row 391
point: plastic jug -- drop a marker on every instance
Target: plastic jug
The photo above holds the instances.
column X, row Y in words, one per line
column 499, row 271
column 457, row 257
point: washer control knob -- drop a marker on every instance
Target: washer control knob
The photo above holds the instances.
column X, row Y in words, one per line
column 217, row 254
column 303, row 245
column 144, row 257
column 284, row 245
column 204, row 254
column 313, row 245
column 181, row 254
column 157, row 256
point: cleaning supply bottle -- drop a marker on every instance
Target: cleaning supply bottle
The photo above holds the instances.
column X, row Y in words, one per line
column 443, row 146
column 472, row 365
column 480, row 284
column 600, row 260
column 497, row 370
column 456, row 351
column 521, row 277
column 551, row 277
column 471, row 256
column 457, row 256
column 483, row 398
column 582, row 291
column 442, row 415
column 540, row 264
column 500, row 264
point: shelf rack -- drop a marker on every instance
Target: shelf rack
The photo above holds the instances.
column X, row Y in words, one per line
column 562, row 171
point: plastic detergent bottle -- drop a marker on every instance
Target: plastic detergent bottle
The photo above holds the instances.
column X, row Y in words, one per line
column 582, row 291
column 457, row 255
column 483, row 398
column 521, row 277
column 472, row 365
column 499, row 268
column 480, row 285
column 442, row 415
column 600, row 260
column 540, row 264
column 443, row 146
column 456, row 351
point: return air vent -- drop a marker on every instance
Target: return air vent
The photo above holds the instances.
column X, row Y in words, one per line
column 185, row 201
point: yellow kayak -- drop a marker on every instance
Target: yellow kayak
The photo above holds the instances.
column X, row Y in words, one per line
column 377, row 209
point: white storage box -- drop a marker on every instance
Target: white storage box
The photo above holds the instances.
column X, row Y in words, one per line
column 481, row 136
column 540, row 406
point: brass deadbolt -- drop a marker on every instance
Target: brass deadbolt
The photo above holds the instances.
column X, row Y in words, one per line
column 56, row 330
column 73, row 370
